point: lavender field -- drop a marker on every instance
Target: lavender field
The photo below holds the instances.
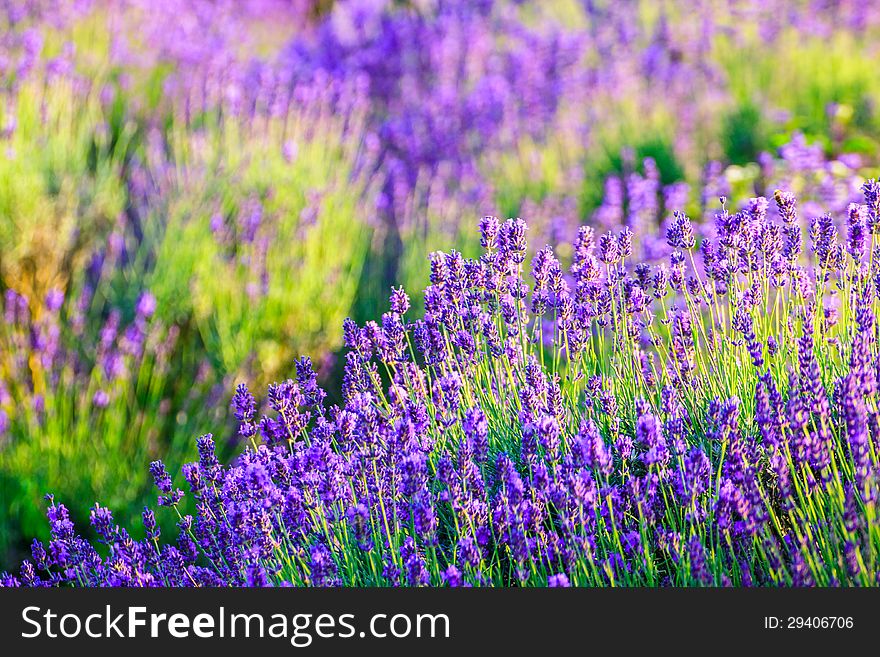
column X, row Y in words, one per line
column 439, row 293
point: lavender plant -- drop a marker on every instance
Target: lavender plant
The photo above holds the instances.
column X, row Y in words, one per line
column 702, row 422
column 239, row 156
column 86, row 387
column 62, row 183
column 265, row 200
column 97, row 145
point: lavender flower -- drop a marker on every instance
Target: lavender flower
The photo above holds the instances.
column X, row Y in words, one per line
column 534, row 427
column 680, row 234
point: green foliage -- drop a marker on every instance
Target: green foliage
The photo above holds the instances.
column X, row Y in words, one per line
column 825, row 88
column 273, row 244
column 60, row 186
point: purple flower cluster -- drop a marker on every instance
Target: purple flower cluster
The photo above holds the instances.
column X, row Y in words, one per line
column 615, row 423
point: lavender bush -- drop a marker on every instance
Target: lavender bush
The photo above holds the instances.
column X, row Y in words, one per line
column 268, row 205
column 86, row 387
column 194, row 192
column 711, row 420
column 106, row 172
